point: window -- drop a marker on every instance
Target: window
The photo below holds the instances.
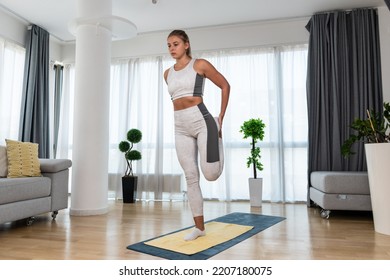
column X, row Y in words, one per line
column 266, row 83
column 11, row 83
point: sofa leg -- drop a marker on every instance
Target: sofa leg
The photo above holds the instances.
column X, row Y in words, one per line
column 54, row 215
column 30, row 221
column 325, row 214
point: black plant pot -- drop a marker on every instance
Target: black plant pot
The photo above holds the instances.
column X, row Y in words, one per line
column 129, row 188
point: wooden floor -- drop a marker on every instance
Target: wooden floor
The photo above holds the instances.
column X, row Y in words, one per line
column 304, row 235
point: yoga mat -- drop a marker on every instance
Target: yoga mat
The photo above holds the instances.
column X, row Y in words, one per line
column 217, row 233
column 256, row 221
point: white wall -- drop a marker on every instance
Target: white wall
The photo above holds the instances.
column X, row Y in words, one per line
column 12, row 29
column 55, row 47
column 222, row 37
column 15, row 30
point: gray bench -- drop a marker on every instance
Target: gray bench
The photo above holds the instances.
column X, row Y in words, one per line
column 340, row 190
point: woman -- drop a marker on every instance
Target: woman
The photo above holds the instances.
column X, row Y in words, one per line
column 195, row 129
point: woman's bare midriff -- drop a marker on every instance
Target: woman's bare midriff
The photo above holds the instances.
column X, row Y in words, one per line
column 186, row 102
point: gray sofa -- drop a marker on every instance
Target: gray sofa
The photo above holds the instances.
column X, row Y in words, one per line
column 340, row 190
column 26, row 197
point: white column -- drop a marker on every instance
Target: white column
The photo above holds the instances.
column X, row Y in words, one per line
column 91, row 110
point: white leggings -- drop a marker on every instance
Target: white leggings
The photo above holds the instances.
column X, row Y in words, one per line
column 197, row 131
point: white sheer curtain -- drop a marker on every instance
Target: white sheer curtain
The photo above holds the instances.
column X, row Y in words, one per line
column 266, row 83
column 65, row 131
column 138, row 100
column 11, row 82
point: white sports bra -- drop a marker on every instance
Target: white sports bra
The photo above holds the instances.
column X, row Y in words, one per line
column 185, row 82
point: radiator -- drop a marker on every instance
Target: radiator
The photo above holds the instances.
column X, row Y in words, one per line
column 170, row 183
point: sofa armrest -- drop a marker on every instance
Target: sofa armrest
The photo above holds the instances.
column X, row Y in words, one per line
column 54, row 165
column 58, row 171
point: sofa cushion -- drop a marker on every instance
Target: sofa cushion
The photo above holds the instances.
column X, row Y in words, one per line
column 3, row 161
column 340, row 182
column 19, row 189
column 22, row 159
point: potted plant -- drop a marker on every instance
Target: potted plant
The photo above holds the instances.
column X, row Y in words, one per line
column 129, row 181
column 254, row 129
column 374, row 132
column 374, row 129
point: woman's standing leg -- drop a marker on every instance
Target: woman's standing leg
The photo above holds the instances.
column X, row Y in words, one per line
column 187, row 153
column 197, row 131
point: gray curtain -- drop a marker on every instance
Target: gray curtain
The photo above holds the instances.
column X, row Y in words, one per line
column 58, row 69
column 343, row 80
column 388, row 3
column 34, row 119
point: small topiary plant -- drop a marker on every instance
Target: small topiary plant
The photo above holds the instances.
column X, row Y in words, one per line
column 254, row 129
column 133, row 136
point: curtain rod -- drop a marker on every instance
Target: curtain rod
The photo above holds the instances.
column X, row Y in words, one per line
column 347, row 11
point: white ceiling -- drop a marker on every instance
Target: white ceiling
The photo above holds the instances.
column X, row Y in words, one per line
column 55, row 15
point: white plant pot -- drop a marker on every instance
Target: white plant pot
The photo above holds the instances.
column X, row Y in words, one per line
column 255, row 191
column 378, row 162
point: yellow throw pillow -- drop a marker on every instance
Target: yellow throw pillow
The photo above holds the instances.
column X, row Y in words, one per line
column 22, row 159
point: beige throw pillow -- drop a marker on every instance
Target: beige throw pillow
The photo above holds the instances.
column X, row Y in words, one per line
column 3, row 161
column 22, row 159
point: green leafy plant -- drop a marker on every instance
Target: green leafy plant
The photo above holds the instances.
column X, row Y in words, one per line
column 133, row 136
column 254, row 129
column 374, row 129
